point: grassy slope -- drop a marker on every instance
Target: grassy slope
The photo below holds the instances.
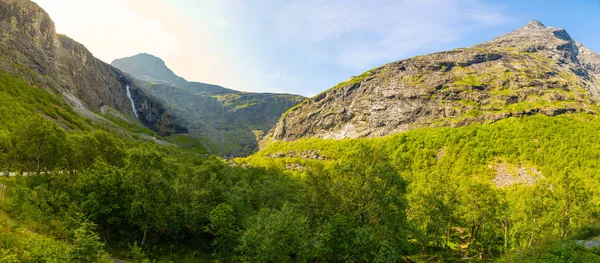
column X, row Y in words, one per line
column 19, row 244
column 21, row 100
column 542, row 140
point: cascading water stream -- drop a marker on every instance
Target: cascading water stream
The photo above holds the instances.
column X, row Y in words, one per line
column 132, row 103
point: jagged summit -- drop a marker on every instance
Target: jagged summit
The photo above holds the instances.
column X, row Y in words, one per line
column 535, row 33
column 535, row 24
column 532, row 70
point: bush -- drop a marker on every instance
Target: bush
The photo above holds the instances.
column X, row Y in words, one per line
column 585, row 233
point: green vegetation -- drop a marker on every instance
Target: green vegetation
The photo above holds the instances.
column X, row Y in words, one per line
column 19, row 99
column 424, row 195
column 470, row 81
column 130, row 125
column 453, row 203
column 172, row 203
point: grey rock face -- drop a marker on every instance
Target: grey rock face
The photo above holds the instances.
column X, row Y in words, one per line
column 532, row 70
column 30, row 47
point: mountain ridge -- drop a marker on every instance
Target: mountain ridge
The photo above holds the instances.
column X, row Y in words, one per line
column 534, row 69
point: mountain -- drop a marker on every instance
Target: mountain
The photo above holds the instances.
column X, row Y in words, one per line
column 497, row 143
column 87, row 92
column 224, row 121
column 32, row 51
column 532, row 70
column 149, row 68
column 153, row 69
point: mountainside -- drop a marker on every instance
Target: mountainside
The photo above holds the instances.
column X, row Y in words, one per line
column 225, row 121
column 207, row 118
column 534, row 69
column 31, row 50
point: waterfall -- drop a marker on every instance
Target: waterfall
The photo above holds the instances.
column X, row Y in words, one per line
column 132, row 103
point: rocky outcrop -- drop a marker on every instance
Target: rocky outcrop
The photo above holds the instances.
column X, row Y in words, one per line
column 508, row 175
column 532, row 70
column 154, row 115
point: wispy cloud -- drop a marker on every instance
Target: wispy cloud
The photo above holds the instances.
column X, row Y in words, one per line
column 360, row 33
column 278, row 76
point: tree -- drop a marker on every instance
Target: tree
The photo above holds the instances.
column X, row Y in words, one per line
column 433, row 201
column 371, row 201
column 88, row 247
column 479, row 214
column 223, row 226
column 41, row 144
column 84, row 150
column 7, row 152
column 110, row 149
column 275, row 236
column 148, row 182
column 102, row 196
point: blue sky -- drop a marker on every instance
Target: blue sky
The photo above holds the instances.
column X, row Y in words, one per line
column 301, row 46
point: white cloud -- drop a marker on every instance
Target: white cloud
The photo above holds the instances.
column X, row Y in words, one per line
column 222, row 23
column 365, row 33
column 278, row 76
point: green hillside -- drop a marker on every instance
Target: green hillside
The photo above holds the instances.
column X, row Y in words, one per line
column 517, row 190
column 512, row 187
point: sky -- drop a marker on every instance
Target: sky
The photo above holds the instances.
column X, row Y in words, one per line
column 301, row 46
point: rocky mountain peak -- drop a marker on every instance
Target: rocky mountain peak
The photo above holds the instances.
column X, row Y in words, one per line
column 148, row 67
column 535, row 24
column 535, row 33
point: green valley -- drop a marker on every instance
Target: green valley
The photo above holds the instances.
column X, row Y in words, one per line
column 481, row 154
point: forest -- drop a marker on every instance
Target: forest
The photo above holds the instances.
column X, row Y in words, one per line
column 84, row 193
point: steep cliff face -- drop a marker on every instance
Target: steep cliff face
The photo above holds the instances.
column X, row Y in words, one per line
column 30, row 46
column 31, row 49
column 153, row 113
column 534, row 69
